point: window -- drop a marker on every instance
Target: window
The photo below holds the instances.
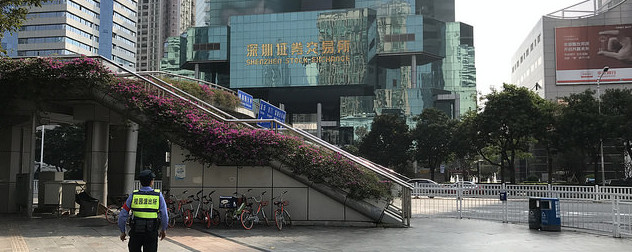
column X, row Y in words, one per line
column 206, row 47
column 399, row 37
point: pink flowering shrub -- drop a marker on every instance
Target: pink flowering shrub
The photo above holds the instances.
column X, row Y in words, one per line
column 216, row 97
column 206, row 138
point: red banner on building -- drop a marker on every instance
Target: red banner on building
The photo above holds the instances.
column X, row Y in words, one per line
column 582, row 52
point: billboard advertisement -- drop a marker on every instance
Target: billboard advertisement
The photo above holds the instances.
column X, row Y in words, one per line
column 582, row 53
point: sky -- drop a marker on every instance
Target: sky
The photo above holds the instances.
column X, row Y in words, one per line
column 500, row 26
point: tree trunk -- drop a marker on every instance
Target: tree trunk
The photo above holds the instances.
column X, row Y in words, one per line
column 512, row 166
column 502, row 168
column 598, row 178
column 549, row 164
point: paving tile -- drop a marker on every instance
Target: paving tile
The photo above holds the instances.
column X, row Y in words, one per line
column 95, row 234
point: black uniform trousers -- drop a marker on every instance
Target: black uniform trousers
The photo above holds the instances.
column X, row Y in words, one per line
column 148, row 241
column 143, row 234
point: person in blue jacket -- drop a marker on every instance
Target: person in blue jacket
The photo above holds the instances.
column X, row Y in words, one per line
column 149, row 215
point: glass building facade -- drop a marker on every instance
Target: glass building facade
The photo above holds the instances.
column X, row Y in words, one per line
column 302, row 49
column 358, row 59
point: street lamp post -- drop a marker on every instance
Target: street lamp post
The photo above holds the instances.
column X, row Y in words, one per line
column 603, row 173
column 478, row 170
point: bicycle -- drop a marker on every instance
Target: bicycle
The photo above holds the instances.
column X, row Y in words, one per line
column 175, row 209
column 203, row 211
column 281, row 215
column 189, row 216
column 248, row 217
column 113, row 210
column 233, row 212
column 212, row 212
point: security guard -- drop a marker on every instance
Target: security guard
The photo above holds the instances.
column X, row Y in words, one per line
column 146, row 204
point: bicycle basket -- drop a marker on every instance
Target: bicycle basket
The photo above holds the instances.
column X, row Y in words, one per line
column 227, row 202
column 285, row 203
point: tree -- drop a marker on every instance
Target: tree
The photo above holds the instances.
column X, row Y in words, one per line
column 617, row 108
column 506, row 127
column 546, row 132
column 151, row 150
column 464, row 145
column 387, row 143
column 433, row 137
column 13, row 13
column 64, row 148
column 580, row 130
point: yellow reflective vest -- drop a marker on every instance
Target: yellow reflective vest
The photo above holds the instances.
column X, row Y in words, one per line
column 145, row 204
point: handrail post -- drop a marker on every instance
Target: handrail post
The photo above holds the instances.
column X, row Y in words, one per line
column 506, row 205
column 616, row 218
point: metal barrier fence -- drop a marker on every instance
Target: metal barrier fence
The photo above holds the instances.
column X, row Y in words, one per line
column 157, row 185
column 591, row 208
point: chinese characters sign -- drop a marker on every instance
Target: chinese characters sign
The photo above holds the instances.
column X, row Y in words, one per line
column 582, row 52
column 267, row 111
column 298, row 52
column 245, row 98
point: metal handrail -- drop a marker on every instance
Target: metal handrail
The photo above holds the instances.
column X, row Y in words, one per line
column 151, row 73
column 593, row 10
column 200, row 101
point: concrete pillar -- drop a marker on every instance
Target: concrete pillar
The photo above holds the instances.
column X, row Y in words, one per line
column 96, row 159
column 122, row 158
column 457, row 106
column 319, row 120
column 413, row 72
column 197, row 71
column 16, row 165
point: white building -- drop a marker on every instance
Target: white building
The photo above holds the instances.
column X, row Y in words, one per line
column 567, row 50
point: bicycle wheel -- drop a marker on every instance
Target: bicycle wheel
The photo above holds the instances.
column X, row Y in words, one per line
column 215, row 218
column 111, row 216
column 246, row 219
column 188, row 218
column 287, row 219
column 228, row 218
column 172, row 218
column 278, row 219
column 265, row 218
column 207, row 220
column 282, row 219
column 172, row 221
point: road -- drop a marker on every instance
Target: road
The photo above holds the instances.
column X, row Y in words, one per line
column 581, row 214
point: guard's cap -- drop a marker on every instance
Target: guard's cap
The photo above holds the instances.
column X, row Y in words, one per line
column 146, row 174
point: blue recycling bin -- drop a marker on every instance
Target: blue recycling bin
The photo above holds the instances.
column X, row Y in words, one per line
column 503, row 196
column 550, row 210
column 535, row 214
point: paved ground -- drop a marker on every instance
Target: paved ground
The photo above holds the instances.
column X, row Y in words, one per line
column 95, row 234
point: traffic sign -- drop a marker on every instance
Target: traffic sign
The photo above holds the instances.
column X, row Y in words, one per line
column 268, row 111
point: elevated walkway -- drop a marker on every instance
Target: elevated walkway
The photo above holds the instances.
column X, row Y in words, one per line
column 355, row 188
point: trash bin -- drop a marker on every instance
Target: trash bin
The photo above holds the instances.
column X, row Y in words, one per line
column 535, row 216
column 88, row 206
column 503, row 196
column 550, row 220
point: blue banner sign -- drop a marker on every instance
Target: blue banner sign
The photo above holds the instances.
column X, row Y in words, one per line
column 267, row 111
column 246, row 99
